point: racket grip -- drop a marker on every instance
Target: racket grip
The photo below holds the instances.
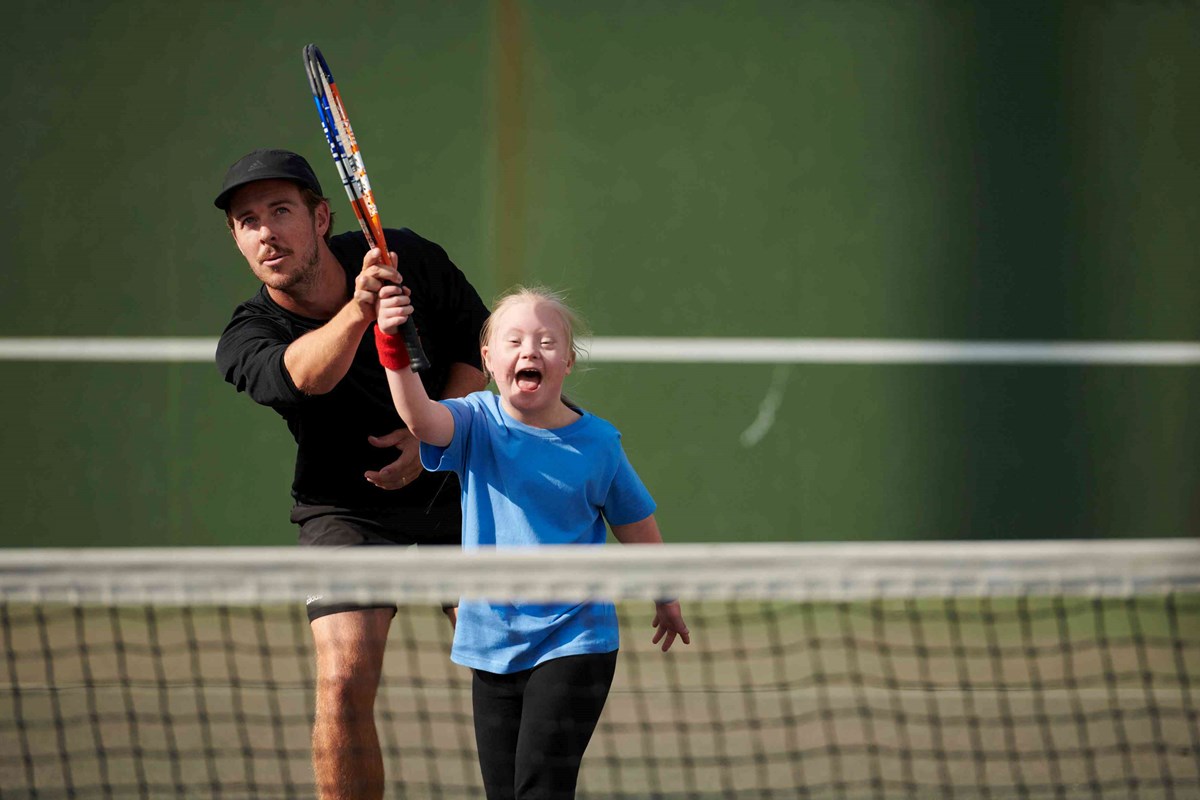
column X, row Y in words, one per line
column 412, row 342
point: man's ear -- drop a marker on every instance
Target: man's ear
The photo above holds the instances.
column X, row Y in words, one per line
column 321, row 213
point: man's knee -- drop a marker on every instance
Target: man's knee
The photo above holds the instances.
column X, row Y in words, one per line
column 346, row 689
column 349, row 649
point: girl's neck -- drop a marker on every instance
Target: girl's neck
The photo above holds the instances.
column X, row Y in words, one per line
column 560, row 415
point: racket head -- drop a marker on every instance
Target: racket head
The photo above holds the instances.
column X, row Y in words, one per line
column 342, row 145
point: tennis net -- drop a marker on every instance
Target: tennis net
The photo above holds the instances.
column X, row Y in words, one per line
column 916, row 670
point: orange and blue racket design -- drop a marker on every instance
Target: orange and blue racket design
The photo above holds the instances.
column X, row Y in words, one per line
column 349, row 161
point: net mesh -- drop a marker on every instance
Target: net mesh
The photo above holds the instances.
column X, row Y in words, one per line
column 964, row 670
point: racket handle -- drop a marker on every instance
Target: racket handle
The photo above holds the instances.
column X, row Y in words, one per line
column 408, row 331
column 416, row 354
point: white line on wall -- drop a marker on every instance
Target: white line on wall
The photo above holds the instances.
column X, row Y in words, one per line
column 683, row 350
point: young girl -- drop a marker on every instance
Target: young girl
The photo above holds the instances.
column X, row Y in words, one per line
column 534, row 471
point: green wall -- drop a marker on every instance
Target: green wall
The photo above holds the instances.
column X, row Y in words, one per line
column 905, row 169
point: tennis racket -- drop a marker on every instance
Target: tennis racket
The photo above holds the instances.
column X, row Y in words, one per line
column 349, row 161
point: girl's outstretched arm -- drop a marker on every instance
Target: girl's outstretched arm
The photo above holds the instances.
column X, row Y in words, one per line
column 428, row 420
column 668, row 617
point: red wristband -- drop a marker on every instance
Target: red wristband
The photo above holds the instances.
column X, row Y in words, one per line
column 392, row 352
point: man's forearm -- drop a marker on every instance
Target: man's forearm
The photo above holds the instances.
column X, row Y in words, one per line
column 319, row 359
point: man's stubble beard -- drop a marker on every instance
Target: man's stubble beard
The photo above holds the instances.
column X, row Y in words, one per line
column 306, row 277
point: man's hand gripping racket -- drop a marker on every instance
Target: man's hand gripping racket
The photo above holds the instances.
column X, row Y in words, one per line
column 349, row 162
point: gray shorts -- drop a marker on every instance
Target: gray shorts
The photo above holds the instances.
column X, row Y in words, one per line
column 333, row 526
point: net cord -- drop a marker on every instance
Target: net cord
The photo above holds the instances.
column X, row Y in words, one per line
column 792, row 571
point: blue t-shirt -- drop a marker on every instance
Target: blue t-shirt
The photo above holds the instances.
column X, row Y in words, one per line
column 525, row 486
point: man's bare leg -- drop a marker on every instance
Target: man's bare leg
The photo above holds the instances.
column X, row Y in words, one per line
column 347, row 762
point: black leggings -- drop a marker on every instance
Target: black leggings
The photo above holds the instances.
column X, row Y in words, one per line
column 532, row 727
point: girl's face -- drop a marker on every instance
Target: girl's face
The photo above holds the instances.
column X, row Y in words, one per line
column 529, row 356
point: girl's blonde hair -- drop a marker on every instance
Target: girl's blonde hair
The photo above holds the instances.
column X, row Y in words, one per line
column 572, row 322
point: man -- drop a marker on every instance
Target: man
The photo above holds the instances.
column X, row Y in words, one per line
column 302, row 346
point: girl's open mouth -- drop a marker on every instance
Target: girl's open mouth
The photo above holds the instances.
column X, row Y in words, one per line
column 528, row 380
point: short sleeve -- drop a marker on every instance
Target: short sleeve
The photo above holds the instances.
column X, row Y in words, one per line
column 628, row 499
column 250, row 356
column 452, row 457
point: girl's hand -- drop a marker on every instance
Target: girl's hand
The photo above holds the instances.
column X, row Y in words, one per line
column 668, row 620
column 395, row 307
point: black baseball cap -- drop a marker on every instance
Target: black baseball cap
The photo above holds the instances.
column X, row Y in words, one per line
column 266, row 164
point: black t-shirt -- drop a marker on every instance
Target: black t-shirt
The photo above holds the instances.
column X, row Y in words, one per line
column 331, row 429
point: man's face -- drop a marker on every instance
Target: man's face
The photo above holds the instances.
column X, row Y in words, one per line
column 277, row 233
